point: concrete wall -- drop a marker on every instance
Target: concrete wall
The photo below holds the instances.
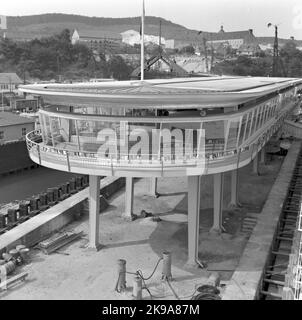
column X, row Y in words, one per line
column 44, row 224
column 14, row 156
column 246, row 280
column 15, row 132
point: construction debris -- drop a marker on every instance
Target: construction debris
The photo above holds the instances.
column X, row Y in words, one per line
column 57, row 241
column 11, row 281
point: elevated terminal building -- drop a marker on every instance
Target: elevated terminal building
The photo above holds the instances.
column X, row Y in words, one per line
column 160, row 128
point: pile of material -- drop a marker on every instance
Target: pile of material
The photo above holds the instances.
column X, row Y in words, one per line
column 8, row 265
column 57, row 241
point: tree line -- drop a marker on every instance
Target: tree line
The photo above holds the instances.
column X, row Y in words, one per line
column 49, row 57
column 289, row 64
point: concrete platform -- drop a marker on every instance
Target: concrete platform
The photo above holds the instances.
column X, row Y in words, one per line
column 77, row 273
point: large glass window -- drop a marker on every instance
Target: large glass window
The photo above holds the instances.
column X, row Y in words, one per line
column 214, row 136
column 242, row 129
column 259, row 114
column 248, row 125
column 254, row 121
column 233, row 134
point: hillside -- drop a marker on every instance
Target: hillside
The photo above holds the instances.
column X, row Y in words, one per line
column 44, row 25
column 37, row 26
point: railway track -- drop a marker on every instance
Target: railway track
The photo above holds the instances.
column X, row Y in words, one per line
column 274, row 275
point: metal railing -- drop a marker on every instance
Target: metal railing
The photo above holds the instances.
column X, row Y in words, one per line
column 147, row 161
column 293, row 128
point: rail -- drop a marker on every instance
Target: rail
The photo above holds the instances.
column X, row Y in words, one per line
column 208, row 159
column 293, row 128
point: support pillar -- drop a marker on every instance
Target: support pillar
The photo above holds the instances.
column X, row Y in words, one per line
column 153, row 187
column 94, row 212
column 234, row 190
column 218, row 203
column 255, row 165
column 129, row 194
column 263, row 156
column 193, row 219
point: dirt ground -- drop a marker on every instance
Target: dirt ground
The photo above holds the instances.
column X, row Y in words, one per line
column 78, row 273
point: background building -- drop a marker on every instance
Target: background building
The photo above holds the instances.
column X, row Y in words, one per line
column 14, row 127
column 133, row 37
column 9, row 82
column 97, row 41
column 243, row 41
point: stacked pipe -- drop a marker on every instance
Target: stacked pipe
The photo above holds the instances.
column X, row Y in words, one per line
column 11, row 260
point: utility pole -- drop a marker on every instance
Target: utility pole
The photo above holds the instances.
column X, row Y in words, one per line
column 204, row 41
column 159, row 42
column 275, row 72
column 142, row 43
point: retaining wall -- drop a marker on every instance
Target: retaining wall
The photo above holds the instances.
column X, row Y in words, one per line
column 44, row 224
column 246, row 280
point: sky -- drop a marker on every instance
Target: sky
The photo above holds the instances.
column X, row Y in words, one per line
column 205, row 15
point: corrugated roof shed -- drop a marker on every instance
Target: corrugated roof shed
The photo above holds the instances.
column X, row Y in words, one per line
column 10, row 119
column 10, row 78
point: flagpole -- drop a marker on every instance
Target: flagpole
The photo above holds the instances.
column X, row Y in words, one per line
column 142, row 43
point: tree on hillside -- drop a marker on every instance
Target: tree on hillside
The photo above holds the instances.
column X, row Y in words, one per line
column 292, row 59
column 187, row 50
column 118, row 69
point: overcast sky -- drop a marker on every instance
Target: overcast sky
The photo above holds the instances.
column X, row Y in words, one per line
column 195, row 14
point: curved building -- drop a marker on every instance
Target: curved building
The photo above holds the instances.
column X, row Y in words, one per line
column 160, row 128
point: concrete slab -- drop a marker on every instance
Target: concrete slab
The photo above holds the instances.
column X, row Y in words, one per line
column 81, row 274
column 244, row 284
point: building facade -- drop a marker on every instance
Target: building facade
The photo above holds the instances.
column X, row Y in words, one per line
column 100, row 42
column 243, row 41
column 132, row 37
column 161, row 128
column 14, row 127
column 9, row 82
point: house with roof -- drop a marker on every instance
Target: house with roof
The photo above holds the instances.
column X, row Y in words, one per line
column 235, row 39
column 9, row 82
column 14, row 127
column 98, row 40
column 132, row 37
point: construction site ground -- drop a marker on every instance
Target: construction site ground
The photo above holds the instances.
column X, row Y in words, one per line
column 75, row 272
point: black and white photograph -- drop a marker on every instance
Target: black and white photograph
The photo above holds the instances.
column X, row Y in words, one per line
column 150, row 153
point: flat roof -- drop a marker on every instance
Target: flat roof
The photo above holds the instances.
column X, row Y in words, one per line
column 10, row 119
column 216, row 91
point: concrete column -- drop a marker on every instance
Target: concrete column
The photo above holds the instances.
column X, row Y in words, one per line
column 153, row 187
column 255, row 165
column 193, row 219
column 263, row 156
column 234, row 189
column 129, row 194
column 218, row 203
column 94, row 212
